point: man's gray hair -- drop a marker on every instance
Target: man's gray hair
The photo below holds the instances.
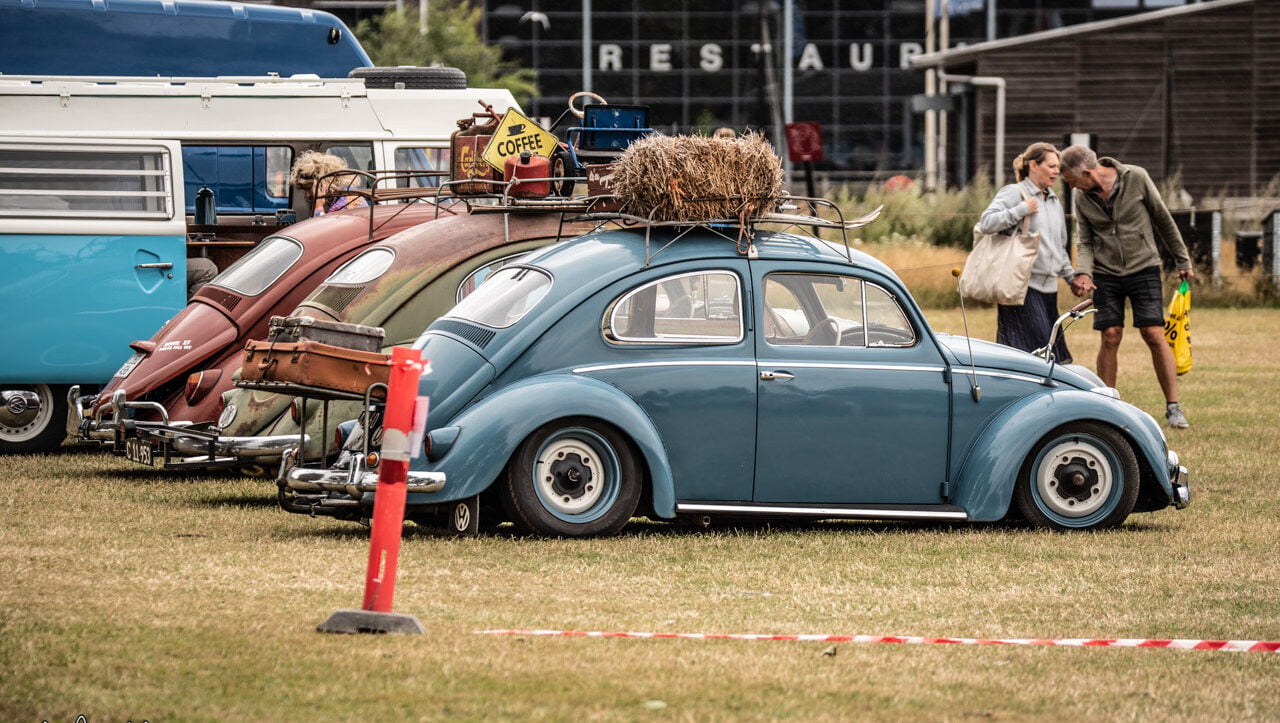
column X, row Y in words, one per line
column 1077, row 158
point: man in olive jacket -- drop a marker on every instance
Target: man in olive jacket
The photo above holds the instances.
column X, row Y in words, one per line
column 1120, row 219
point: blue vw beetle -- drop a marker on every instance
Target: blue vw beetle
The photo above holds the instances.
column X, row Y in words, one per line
column 708, row 372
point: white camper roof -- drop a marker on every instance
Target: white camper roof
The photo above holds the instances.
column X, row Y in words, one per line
column 234, row 108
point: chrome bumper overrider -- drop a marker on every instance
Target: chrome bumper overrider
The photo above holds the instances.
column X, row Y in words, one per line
column 1180, row 479
column 103, row 425
column 305, row 479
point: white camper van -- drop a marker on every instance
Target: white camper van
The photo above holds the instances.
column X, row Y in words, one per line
column 99, row 179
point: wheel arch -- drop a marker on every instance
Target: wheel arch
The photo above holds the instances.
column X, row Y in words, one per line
column 986, row 478
column 492, row 430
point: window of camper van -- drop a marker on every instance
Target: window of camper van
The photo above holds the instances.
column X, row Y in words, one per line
column 420, row 159
column 244, row 179
column 85, row 181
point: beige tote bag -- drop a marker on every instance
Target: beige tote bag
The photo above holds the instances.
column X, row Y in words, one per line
column 999, row 267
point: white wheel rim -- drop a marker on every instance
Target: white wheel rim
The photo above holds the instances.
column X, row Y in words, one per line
column 24, row 427
column 569, row 476
column 1086, row 493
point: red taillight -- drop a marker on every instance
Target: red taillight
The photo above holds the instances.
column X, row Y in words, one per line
column 200, row 384
column 337, row 438
column 193, row 387
column 294, row 414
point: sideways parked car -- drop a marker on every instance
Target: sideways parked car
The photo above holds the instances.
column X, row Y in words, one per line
column 179, row 374
column 400, row 284
column 663, row 372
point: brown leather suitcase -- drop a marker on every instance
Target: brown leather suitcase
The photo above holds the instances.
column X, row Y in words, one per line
column 313, row 364
column 336, row 333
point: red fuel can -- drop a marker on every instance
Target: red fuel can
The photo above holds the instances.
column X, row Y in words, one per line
column 530, row 173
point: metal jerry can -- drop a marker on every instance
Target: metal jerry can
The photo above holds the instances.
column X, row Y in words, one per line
column 466, row 146
column 531, row 174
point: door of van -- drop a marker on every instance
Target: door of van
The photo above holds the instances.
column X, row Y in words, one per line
column 93, row 247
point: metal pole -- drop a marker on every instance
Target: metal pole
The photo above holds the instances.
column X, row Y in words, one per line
column 930, row 116
column 944, row 43
column 788, row 90
column 586, row 45
column 999, row 85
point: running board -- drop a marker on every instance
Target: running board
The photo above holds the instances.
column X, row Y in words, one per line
column 864, row 512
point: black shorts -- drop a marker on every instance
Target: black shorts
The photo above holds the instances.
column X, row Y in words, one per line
column 1145, row 293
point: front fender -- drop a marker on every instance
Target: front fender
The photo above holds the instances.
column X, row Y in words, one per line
column 490, row 431
column 984, row 485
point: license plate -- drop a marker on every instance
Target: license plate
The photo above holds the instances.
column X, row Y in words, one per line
column 130, row 365
column 138, row 451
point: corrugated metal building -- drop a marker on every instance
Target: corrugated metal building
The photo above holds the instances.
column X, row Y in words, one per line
column 1192, row 89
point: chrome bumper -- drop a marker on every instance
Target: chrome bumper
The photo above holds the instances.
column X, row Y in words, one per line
column 1180, row 480
column 185, row 443
column 354, row 482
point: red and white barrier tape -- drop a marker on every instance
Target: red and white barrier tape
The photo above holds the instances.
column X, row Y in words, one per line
column 1236, row 646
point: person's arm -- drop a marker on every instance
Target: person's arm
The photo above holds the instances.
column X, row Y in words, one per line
column 1166, row 230
column 1005, row 211
column 1082, row 281
column 1084, row 236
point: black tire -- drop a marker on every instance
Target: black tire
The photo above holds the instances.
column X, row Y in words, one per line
column 574, row 477
column 411, row 77
column 1080, row 476
column 23, row 431
column 562, row 167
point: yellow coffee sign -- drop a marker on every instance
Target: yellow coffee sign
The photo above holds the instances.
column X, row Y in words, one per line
column 515, row 135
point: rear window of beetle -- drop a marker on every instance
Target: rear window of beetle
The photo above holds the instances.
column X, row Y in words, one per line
column 506, row 297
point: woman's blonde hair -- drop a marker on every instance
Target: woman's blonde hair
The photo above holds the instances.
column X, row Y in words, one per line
column 1035, row 152
column 312, row 165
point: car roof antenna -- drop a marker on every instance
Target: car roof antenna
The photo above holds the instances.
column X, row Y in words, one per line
column 974, row 389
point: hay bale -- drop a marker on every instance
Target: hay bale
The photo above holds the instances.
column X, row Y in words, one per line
column 692, row 178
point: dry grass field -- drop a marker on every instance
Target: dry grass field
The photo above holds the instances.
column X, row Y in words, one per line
column 130, row 594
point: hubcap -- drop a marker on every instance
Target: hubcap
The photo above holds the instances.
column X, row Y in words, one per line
column 1074, row 478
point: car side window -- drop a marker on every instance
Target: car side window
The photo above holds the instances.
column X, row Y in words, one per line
column 703, row 307
column 832, row 310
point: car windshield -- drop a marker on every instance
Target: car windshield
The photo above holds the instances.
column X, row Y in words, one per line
column 261, row 267
column 506, row 296
column 364, row 268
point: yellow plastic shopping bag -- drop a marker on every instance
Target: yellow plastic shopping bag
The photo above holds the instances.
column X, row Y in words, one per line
column 1177, row 328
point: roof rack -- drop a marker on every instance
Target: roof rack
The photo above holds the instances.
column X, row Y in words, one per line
column 747, row 227
column 399, row 187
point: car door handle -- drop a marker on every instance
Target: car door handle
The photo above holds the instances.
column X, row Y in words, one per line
column 157, row 265
column 775, row 376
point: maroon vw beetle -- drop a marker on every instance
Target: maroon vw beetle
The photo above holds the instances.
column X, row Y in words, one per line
column 180, row 373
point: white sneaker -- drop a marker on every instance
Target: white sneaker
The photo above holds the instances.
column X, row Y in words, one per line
column 1174, row 417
